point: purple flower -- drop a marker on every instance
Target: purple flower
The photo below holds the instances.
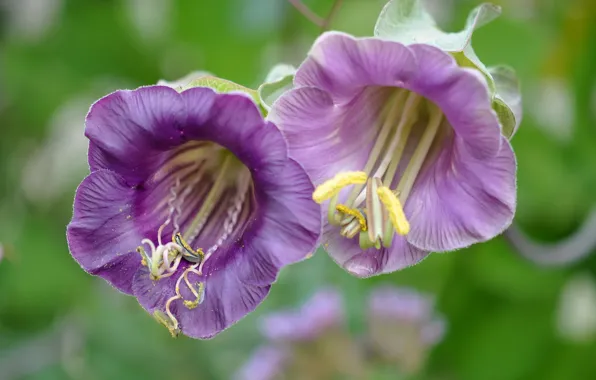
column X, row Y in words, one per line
column 320, row 314
column 404, row 147
column 403, row 325
column 266, row 363
column 192, row 205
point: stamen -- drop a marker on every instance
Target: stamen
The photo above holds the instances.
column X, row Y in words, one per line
column 353, row 212
column 398, row 142
column 171, row 323
column 189, row 254
column 389, row 114
column 332, row 187
column 374, row 212
column 408, row 118
column 351, row 228
column 199, row 221
column 198, row 293
column 396, row 212
column 407, row 180
column 332, row 216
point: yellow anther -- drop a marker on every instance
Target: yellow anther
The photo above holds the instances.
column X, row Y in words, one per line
column 353, row 212
column 395, row 209
column 332, row 187
column 191, row 304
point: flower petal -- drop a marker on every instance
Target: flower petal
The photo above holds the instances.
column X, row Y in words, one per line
column 228, row 295
column 102, row 234
column 462, row 95
column 320, row 134
column 291, row 220
column 235, row 122
column 343, row 65
column 461, row 200
column 129, row 129
column 371, row 262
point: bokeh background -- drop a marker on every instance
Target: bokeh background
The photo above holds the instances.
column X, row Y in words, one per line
column 512, row 314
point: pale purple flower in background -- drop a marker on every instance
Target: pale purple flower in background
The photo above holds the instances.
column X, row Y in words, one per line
column 403, row 326
column 321, row 313
column 266, row 363
column 315, row 339
column 192, row 205
column 405, row 148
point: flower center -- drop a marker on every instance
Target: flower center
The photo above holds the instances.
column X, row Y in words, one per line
column 373, row 209
column 208, row 204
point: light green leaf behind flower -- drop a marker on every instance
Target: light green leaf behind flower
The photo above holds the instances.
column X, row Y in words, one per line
column 279, row 80
column 507, row 98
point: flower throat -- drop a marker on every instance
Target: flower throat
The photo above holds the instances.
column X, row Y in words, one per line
column 373, row 208
column 214, row 180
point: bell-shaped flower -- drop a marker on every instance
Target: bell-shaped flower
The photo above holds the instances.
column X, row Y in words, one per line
column 192, row 205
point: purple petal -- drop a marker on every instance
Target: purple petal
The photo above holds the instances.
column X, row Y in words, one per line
column 129, row 130
column 463, row 96
column 234, row 121
column 461, row 200
column 228, row 295
column 291, row 220
column 321, row 134
column 102, row 235
column 342, row 65
column 371, row 262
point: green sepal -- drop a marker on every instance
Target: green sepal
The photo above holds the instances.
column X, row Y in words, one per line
column 507, row 101
column 279, row 80
column 224, row 86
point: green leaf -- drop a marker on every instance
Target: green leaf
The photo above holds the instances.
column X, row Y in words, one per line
column 279, row 80
column 507, row 102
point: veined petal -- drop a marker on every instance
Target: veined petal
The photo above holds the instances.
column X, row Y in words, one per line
column 321, row 133
column 343, row 65
column 461, row 200
column 462, row 95
column 102, row 235
column 371, row 262
column 130, row 127
column 291, row 220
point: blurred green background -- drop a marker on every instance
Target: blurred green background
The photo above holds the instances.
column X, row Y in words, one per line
column 505, row 312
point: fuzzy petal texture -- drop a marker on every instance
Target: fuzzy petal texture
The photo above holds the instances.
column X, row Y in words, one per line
column 102, row 235
column 461, row 200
